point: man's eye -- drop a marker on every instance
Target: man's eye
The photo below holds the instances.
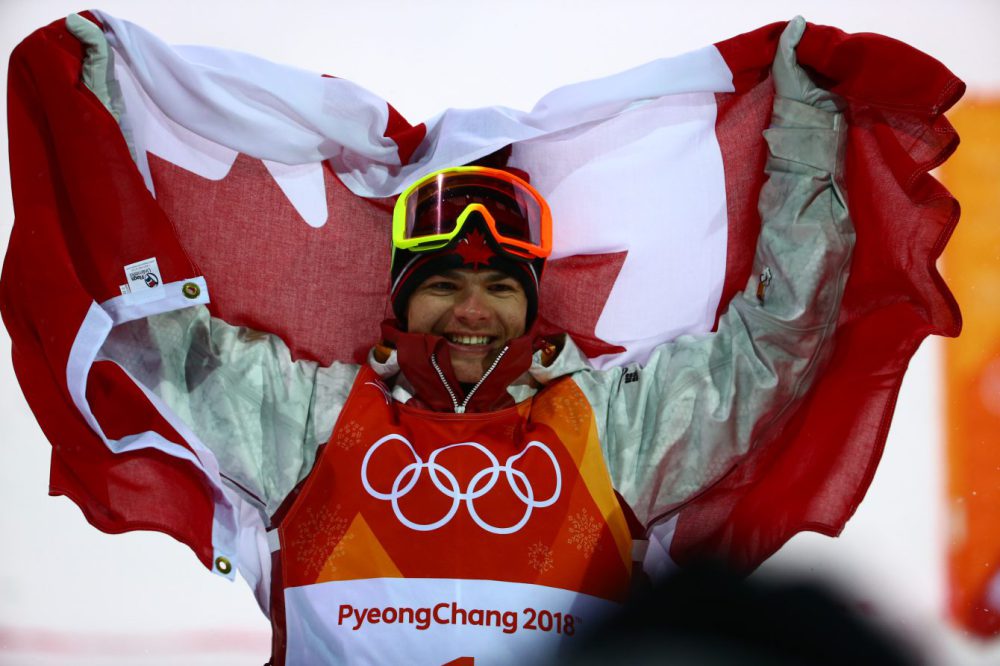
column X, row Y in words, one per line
column 441, row 285
column 502, row 287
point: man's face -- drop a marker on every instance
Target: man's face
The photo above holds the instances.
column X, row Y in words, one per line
column 476, row 312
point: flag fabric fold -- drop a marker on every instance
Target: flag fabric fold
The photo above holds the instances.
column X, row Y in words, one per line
column 652, row 174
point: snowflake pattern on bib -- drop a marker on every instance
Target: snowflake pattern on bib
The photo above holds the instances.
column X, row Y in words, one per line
column 322, row 536
column 349, row 436
column 540, row 557
column 584, row 533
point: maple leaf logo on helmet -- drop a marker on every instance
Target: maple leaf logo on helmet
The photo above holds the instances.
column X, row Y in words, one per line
column 474, row 250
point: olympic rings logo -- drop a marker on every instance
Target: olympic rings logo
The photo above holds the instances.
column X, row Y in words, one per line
column 480, row 484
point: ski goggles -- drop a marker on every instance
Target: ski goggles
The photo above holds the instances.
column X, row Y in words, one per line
column 430, row 213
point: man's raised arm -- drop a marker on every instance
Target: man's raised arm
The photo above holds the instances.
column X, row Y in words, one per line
column 701, row 402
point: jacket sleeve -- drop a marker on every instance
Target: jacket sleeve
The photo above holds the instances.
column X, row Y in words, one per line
column 700, row 403
column 261, row 414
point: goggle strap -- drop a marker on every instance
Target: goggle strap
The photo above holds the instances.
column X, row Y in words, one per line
column 403, row 273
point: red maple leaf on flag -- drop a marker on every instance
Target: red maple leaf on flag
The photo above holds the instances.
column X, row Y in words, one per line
column 324, row 290
column 573, row 294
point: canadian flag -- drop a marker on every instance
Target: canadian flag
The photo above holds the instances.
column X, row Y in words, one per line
column 273, row 188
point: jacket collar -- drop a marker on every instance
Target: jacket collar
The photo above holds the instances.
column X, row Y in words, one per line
column 525, row 366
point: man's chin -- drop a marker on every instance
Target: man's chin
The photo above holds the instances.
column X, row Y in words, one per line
column 467, row 375
column 470, row 365
column 471, row 370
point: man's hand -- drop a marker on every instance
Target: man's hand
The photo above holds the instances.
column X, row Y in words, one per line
column 790, row 80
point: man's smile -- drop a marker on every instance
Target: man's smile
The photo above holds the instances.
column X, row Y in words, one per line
column 466, row 340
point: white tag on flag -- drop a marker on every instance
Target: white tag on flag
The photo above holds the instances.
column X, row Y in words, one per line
column 144, row 280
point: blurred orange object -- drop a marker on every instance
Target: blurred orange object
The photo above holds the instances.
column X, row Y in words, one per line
column 972, row 370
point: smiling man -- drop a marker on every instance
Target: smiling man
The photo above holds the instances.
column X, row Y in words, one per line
column 469, row 246
column 474, row 490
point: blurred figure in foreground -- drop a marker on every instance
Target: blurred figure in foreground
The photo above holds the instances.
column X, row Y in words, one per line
column 706, row 615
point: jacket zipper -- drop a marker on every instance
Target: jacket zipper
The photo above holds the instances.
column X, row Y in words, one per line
column 460, row 409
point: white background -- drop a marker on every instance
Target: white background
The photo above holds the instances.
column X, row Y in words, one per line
column 71, row 595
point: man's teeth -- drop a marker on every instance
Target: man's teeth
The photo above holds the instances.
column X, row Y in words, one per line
column 470, row 339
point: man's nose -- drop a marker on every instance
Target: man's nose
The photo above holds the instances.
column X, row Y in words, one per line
column 471, row 306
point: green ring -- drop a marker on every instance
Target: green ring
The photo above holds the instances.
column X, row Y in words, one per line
column 191, row 290
column 223, row 565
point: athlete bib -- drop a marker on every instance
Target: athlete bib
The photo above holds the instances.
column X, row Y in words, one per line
column 431, row 538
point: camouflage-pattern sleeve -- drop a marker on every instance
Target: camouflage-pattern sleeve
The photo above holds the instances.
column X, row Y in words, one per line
column 702, row 401
column 261, row 414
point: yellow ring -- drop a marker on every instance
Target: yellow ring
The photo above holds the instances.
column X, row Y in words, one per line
column 223, row 565
column 191, row 290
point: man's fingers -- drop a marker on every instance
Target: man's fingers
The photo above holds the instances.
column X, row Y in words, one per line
column 790, row 80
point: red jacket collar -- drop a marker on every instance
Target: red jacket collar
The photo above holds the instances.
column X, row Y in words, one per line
column 413, row 351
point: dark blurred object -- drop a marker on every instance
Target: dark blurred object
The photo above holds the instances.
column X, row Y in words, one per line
column 706, row 615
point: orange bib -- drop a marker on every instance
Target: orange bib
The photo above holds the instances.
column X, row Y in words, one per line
column 499, row 533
